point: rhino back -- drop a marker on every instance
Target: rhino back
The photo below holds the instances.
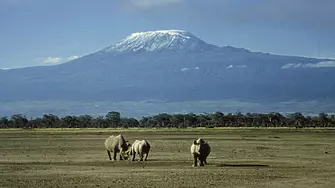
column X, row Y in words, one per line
column 141, row 146
column 116, row 142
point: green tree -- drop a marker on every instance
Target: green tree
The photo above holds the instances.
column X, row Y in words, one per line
column 162, row 120
column 70, row 122
column 4, row 122
column 129, row 122
column 114, row 118
column 85, row 121
column 19, row 121
column 51, row 121
column 100, row 122
column 217, row 119
column 177, row 120
column 324, row 121
column 297, row 119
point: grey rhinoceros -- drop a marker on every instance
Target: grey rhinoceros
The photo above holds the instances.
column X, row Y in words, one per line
column 116, row 144
column 140, row 147
column 200, row 150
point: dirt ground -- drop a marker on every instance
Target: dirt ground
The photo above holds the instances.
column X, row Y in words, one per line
column 240, row 158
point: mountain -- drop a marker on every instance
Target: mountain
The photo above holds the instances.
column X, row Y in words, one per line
column 172, row 67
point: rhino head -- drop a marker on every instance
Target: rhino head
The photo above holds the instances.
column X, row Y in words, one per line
column 127, row 153
column 199, row 145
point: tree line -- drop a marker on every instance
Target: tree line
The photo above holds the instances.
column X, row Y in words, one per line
column 113, row 119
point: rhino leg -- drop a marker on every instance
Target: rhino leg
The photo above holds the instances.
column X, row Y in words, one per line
column 205, row 161
column 146, row 156
column 109, row 155
column 114, row 155
column 134, row 154
column 141, row 156
column 201, row 162
column 195, row 159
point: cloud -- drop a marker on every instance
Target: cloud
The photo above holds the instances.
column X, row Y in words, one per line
column 291, row 65
column 241, row 66
column 153, row 3
column 55, row 60
column 49, row 60
column 187, row 69
column 72, row 58
column 323, row 64
column 5, row 68
column 237, row 66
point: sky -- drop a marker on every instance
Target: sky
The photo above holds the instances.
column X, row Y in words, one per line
column 46, row 32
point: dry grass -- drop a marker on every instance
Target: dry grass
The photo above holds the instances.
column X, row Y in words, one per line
column 239, row 158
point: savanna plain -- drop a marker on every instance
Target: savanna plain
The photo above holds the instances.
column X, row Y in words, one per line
column 239, row 158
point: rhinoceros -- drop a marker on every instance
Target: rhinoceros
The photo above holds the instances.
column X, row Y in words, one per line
column 116, row 144
column 140, row 147
column 200, row 150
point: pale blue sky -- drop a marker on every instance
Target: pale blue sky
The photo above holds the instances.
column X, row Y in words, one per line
column 45, row 32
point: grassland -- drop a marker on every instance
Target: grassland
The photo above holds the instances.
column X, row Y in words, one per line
column 240, row 158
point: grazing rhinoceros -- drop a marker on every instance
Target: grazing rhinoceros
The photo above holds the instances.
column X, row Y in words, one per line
column 200, row 150
column 116, row 144
column 140, row 147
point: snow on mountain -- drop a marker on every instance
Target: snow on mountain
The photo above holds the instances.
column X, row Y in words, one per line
column 175, row 40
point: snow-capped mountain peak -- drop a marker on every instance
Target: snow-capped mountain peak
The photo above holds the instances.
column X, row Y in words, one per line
column 177, row 33
column 153, row 41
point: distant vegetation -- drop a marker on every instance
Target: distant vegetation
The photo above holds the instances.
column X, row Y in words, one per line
column 114, row 120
